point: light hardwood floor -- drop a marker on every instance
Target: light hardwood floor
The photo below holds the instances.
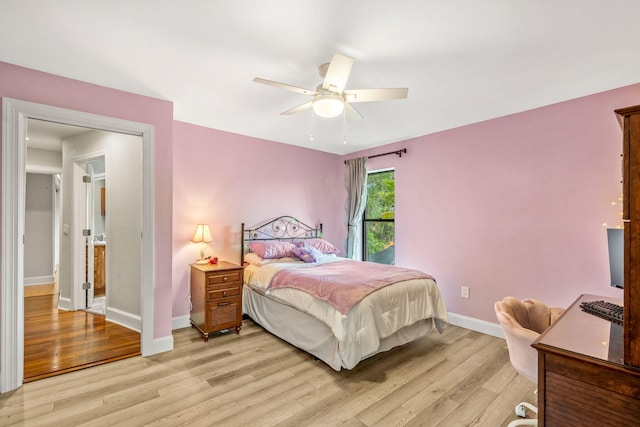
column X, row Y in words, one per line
column 457, row 378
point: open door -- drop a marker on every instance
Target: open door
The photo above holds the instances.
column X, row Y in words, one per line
column 85, row 260
column 96, row 250
column 94, row 235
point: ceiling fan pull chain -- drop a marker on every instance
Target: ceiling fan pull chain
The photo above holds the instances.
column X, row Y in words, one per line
column 312, row 127
column 344, row 126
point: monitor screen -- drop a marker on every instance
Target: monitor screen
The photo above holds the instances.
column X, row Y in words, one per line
column 615, row 238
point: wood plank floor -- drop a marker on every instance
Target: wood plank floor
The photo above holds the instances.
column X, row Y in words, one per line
column 458, row 378
column 58, row 341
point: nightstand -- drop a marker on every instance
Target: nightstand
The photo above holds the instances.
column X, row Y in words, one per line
column 216, row 297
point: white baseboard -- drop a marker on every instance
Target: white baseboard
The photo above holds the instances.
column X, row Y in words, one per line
column 158, row 345
column 123, row 318
column 155, row 346
column 42, row 280
column 64, row 303
column 482, row 326
column 489, row 328
column 180, row 322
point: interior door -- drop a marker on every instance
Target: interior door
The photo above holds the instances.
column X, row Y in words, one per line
column 87, row 232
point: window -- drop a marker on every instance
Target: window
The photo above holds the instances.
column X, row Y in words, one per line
column 379, row 218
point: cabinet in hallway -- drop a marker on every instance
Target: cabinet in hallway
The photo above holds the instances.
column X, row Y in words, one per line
column 99, row 278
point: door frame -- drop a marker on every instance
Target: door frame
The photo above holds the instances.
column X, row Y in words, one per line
column 15, row 114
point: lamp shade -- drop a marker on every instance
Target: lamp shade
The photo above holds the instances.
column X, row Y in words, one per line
column 328, row 105
column 203, row 234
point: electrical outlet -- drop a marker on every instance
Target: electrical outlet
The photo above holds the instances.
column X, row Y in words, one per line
column 464, row 291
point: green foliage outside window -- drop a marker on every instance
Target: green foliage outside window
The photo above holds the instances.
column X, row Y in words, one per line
column 380, row 235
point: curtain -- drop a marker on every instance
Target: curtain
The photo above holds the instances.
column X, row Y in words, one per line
column 356, row 184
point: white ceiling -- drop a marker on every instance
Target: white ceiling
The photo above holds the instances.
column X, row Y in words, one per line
column 463, row 61
column 45, row 135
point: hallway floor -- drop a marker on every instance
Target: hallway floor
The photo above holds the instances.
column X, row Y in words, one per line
column 58, row 341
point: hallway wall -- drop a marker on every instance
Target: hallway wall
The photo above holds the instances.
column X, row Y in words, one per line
column 39, row 265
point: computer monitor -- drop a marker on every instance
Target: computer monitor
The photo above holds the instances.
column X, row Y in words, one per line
column 615, row 238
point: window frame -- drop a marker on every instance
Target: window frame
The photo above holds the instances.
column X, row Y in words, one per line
column 364, row 212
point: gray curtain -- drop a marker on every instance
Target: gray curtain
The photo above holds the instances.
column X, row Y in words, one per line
column 356, row 184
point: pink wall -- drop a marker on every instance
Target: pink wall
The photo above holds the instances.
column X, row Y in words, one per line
column 34, row 86
column 224, row 179
column 515, row 205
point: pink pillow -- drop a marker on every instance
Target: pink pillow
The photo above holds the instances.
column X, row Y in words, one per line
column 272, row 249
column 321, row 245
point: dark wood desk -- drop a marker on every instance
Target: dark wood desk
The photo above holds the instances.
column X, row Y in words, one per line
column 582, row 380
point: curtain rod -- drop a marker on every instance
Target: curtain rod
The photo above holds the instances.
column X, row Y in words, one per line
column 397, row 152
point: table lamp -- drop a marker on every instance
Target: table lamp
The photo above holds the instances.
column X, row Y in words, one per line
column 202, row 236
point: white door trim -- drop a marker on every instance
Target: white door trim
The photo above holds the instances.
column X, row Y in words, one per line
column 14, row 124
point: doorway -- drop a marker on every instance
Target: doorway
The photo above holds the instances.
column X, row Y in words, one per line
column 60, row 341
column 94, row 338
column 16, row 114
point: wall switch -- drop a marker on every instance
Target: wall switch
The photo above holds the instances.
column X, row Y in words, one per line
column 464, row 291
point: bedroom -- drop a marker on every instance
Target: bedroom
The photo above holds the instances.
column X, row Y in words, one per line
column 511, row 205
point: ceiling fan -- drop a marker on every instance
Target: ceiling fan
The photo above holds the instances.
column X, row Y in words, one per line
column 330, row 98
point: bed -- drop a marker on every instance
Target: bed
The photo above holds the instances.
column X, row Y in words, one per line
column 340, row 325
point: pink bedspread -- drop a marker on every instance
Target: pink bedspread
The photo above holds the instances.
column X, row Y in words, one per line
column 343, row 283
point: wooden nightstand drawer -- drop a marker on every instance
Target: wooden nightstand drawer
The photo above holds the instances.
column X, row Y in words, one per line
column 224, row 313
column 222, row 291
column 216, row 297
column 231, row 276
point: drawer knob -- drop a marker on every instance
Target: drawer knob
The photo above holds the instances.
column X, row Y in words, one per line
column 224, row 294
column 225, row 278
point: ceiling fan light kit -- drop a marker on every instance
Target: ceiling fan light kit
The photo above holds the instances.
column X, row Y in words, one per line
column 328, row 105
column 330, row 99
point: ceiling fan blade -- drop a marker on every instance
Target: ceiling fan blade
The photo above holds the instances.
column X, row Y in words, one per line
column 285, row 86
column 297, row 109
column 352, row 114
column 369, row 95
column 337, row 73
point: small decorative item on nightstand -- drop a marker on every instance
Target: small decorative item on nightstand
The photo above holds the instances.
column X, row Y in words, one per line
column 216, row 297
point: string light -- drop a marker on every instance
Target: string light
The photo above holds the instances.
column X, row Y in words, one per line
column 618, row 204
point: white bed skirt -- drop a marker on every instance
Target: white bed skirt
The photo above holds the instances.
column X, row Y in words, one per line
column 314, row 337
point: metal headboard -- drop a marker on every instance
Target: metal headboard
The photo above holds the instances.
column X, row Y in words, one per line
column 281, row 228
